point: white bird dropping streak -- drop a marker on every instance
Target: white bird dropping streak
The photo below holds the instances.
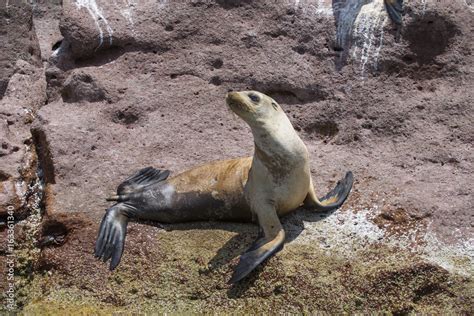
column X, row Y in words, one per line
column 127, row 12
column 369, row 23
column 162, row 4
column 318, row 7
column 96, row 14
column 377, row 51
column 469, row 4
column 324, row 8
column 424, row 7
column 297, row 3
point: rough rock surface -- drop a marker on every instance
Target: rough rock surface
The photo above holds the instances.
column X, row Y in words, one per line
column 23, row 92
column 128, row 84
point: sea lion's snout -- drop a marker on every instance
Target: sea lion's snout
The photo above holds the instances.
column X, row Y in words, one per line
column 231, row 98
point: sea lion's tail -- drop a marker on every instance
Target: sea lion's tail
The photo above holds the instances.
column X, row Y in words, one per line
column 138, row 181
column 336, row 197
column 111, row 238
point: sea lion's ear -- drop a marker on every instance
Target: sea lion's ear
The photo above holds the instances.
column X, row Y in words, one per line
column 275, row 105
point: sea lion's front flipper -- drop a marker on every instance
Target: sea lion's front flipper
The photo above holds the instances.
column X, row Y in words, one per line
column 263, row 248
column 394, row 10
column 334, row 199
column 111, row 239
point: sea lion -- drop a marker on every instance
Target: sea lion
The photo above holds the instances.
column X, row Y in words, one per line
column 394, row 9
column 274, row 181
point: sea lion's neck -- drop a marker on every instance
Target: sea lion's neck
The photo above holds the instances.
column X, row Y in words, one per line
column 276, row 141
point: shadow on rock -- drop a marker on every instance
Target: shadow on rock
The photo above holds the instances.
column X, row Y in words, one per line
column 233, row 248
column 294, row 222
column 246, row 235
column 239, row 289
column 293, row 225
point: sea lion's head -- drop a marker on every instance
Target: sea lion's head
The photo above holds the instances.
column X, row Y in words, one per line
column 253, row 107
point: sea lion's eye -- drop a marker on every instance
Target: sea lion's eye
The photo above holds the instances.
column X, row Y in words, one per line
column 255, row 98
column 275, row 106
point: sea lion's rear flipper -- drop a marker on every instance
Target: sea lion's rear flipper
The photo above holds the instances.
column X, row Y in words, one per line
column 334, row 199
column 138, row 181
column 394, row 9
column 111, row 239
column 142, row 178
column 263, row 248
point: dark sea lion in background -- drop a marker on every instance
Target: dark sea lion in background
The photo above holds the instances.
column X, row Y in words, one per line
column 394, row 9
column 272, row 183
column 346, row 12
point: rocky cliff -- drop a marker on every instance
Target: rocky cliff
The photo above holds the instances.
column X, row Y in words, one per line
column 94, row 90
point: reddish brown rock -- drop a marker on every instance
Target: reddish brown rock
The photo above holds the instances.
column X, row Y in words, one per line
column 18, row 39
column 25, row 94
column 142, row 83
column 151, row 92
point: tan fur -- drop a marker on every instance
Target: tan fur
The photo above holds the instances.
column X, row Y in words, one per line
column 279, row 179
column 280, row 169
column 220, row 176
